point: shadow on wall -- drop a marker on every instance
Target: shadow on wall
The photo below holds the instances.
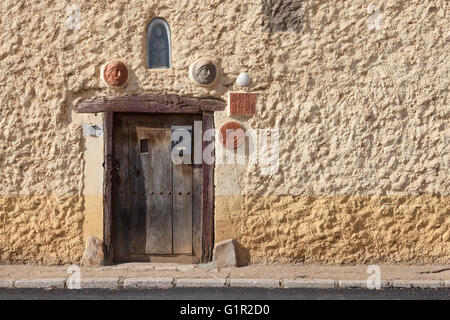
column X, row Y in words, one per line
column 282, row 15
column 242, row 255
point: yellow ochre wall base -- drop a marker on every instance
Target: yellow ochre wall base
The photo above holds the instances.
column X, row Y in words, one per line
column 336, row 229
column 53, row 236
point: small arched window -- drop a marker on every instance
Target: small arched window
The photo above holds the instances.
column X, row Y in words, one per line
column 158, row 44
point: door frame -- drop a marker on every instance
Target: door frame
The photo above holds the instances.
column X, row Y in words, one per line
column 154, row 104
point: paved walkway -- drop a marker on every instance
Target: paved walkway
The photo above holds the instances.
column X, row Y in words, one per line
column 157, row 275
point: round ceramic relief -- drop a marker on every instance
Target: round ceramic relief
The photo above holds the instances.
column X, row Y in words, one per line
column 115, row 73
column 232, row 135
column 204, row 72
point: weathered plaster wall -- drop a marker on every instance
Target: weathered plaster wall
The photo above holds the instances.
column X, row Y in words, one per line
column 363, row 116
column 93, row 176
column 364, row 148
column 338, row 229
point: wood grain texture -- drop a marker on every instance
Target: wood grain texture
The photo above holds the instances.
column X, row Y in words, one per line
column 197, row 189
column 151, row 224
column 157, row 168
column 197, row 206
column 201, row 179
column 151, row 103
column 138, row 210
column 182, row 209
column 121, row 196
column 208, row 196
column 107, row 187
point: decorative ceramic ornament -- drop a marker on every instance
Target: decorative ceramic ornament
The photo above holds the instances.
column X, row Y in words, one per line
column 243, row 80
column 232, row 135
column 204, row 72
column 115, row 73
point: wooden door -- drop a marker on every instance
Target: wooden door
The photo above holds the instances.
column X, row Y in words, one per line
column 157, row 199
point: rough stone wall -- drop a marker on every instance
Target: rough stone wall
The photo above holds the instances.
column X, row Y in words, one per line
column 41, row 208
column 364, row 140
column 363, row 114
column 364, row 127
column 338, row 229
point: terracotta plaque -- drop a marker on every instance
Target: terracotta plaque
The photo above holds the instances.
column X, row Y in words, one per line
column 232, row 135
column 242, row 104
column 115, row 73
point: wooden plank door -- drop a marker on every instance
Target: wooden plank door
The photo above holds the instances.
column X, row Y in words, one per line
column 182, row 187
column 157, row 201
column 151, row 191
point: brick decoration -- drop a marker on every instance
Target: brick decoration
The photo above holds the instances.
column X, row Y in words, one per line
column 242, row 104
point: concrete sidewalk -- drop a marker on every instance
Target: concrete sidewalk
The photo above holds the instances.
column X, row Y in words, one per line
column 163, row 276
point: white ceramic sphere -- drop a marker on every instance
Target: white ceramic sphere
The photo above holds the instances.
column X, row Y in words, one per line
column 243, row 80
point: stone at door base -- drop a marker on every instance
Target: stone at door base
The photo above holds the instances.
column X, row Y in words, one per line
column 6, row 283
column 225, row 254
column 94, row 254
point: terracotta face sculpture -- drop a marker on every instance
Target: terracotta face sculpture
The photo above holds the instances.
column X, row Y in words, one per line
column 116, row 74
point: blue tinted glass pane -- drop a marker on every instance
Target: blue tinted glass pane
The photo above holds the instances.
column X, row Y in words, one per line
column 158, row 46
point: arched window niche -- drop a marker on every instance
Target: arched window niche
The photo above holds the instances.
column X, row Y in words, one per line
column 158, row 44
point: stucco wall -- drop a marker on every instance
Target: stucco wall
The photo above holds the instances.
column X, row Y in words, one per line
column 363, row 119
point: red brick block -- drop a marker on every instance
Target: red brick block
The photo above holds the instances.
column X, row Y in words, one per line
column 242, row 104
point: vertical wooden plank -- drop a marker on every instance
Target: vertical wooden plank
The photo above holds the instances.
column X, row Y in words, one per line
column 158, row 168
column 107, row 186
column 121, row 198
column 197, row 189
column 138, row 210
column 208, row 196
column 182, row 209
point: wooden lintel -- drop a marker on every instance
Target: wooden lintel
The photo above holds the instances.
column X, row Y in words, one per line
column 150, row 103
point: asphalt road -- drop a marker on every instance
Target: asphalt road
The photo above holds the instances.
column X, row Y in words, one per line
column 196, row 294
